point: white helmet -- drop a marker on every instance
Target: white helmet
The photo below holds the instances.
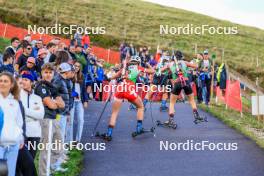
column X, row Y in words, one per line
column 135, row 59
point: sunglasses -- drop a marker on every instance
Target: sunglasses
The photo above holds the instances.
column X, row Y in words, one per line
column 29, row 48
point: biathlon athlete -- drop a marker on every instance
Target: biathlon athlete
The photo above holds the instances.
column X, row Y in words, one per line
column 178, row 76
column 129, row 75
column 160, row 79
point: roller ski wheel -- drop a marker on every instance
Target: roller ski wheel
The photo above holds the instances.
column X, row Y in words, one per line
column 135, row 134
column 103, row 136
column 200, row 120
column 167, row 124
column 164, row 109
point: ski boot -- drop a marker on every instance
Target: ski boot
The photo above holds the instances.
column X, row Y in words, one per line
column 140, row 130
column 103, row 136
column 169, row 123
column 164, row 109
column 198, row 118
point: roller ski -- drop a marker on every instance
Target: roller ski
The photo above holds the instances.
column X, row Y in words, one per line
column 103, row 136
column 198, row 118
column 142, row 131
column 169, row 124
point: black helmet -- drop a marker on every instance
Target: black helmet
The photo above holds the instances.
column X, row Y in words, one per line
column 179, row 55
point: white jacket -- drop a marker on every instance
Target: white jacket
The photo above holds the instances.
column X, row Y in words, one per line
column 12, row 132
column 34, row 111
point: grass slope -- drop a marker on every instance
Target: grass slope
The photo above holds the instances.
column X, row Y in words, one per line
column 138, row 22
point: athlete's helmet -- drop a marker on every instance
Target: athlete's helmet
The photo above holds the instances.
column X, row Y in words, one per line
column 135, row 59
column 179, row 55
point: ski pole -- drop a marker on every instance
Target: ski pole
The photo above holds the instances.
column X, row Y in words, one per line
column 101, row 115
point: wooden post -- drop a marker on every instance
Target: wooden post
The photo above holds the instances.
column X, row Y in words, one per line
column 257, row 94
column 4, row 30
column 108, row 55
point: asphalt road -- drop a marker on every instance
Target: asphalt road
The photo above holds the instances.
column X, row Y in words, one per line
column 142, row 156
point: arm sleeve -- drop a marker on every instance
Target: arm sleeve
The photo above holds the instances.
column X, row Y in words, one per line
column 42, row 92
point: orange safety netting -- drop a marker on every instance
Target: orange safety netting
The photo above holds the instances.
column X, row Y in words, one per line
column 233, row 96
column 9, row 31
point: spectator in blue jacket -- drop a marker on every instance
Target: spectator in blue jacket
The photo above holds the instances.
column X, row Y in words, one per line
column 100, row 76
column 30, row 68
column 8, row 61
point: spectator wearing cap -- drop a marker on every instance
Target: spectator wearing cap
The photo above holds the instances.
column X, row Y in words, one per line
column 13, row 47
column 11, row 137
column 52, row 101
column 30, row 67
column 8, row 61
column 60, row 83
column 42, row 53
column 34, row 111
column 22, row 60
column 205, row 68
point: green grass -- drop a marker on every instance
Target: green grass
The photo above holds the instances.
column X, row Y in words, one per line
column 247, row 125
column 74, row 164
column 3, row 44
column 140, row 22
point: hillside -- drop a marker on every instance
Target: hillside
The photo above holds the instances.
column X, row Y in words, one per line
column 139, row 22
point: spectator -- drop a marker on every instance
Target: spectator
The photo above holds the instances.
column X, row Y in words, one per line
column 60, row 83
column 100, row 76
column 28, row 38
column 152, row 61
column 19, row 50
column 8, row 60
column 30, row 67
column 72, row 52
column 11, row 135
column 80, row 57
column 52, row 102
column 13, row 47
column 78, row 38
column 51, row 49
column 36, row 48
column 85, row 41
column 34, row 111
column 22, row 60
column 25, row 161
column 61, row 57
column 42, row 53
column 205, row 77
column 80, row 101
